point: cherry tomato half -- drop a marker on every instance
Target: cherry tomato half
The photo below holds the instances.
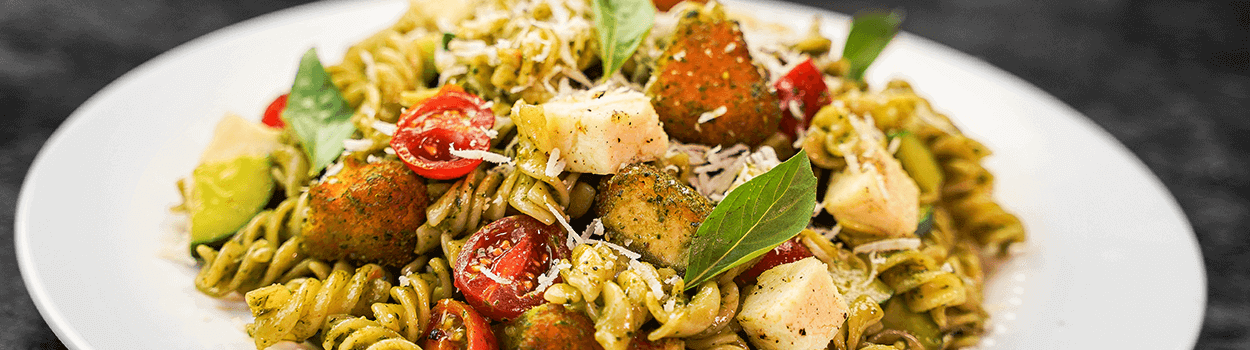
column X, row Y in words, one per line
column 426, row 134
column 804, row 85
column 499, row 265
column 665, row 5
column 788, row 252
column 455, row 326
column 451, row 101
column 273, row 113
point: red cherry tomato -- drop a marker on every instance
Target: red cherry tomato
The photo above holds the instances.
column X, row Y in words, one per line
column 665, row 5
column 426, row 134
column 451, row 101
column 273, row 113
column 788, row 252
column 455, row 326
column 804, row 85
column 498, row 268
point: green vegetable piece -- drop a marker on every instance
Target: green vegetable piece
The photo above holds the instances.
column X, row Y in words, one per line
column 920, row 325
column 753, row 219
column 225, row 195
column 317, row 113
column 622, row 25
column 920, row 164
column 232, row 182
column 447, row 39
column 870, row 32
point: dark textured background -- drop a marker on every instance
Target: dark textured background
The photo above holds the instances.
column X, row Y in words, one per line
column 1171, row 80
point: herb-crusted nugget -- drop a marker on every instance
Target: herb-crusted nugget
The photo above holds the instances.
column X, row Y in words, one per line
column 650, row 212
column 707, row 90
column 368, row 212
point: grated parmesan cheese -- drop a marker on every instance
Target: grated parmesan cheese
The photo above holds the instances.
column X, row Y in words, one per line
column 483, row 155
column 548, row 278
column 595, row 228
column 491, row 275
column 626, row 252
column 573, row 237
column 371, row 68
column 709, row 115
column 357, row 145
column 555, row 165
column 333, row 169
column 649, row 275
column 886, row 245
column 385, row 128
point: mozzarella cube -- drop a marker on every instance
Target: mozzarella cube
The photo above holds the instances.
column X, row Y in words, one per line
column 876, row 198
column 793, row 306
column 595, row 135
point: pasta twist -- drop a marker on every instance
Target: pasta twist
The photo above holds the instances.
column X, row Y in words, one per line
column 290, row 167
column 967, row 194
column 346, row 332
column 542, row 47
column 916, row 277
column 484, row 195
column 297, row 311
column 376, row 72
column 263, row 252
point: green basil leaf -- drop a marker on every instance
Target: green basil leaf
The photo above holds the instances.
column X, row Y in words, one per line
column 447, row 39
column 622, row 25
column 753, row 219
column 318, row 114
column 870, row 32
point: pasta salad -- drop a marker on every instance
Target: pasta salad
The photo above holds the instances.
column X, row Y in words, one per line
column 599, row 174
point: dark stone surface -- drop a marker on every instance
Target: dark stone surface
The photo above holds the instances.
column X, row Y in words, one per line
column 1171, row 80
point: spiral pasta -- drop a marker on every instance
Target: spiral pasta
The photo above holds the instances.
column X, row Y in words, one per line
column 265, row 251
column 542, row 47
column 346, row 332
column 375, row 73
column 485, row 195
column 296, row 311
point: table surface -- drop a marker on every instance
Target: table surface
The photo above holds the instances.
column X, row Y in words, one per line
column 1169, row 80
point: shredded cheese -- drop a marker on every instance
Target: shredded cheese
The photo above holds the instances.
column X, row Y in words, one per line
column 573, row 237
column 491, row 275
column 547, row 278
column 357, row 145
column 385, row 128
column 626, row 252
column 555, row 165
column 886, row 245
column 483, row 155
column 650, row 276
column 709, row 115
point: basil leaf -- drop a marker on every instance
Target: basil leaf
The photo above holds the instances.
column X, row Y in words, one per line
column 752, row 219
column 622, row 25
column 447, row 39
column 317, row 113
column 870, row 32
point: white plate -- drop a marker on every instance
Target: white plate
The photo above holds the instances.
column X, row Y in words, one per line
column 1111, row 261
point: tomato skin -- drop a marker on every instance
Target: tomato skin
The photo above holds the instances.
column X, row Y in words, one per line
column 517, row 249
column 426, row 133
column 273, row 113
column 788, row 252
column 665, row 5
column 449, row 317
column 805, row 85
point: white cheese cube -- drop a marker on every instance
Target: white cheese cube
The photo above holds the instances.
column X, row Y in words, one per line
column 595, row 135
column 793, row 306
